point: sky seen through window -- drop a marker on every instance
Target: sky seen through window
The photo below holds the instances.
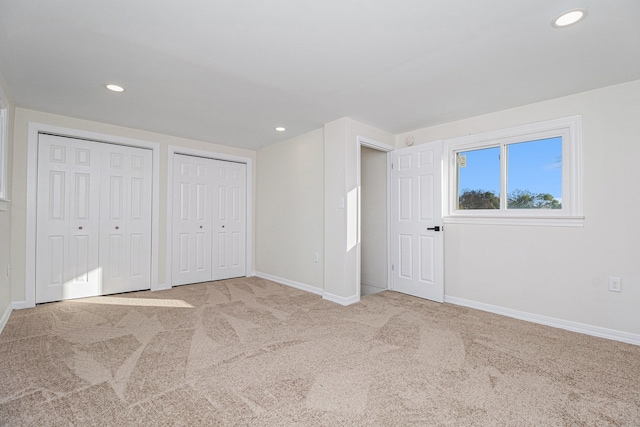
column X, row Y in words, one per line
column 533, row 166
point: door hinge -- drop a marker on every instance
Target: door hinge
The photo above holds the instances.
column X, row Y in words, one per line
column 392, row 267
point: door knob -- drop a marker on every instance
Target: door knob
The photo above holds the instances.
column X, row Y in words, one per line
column 117, row 228
column 80, row 228
column 200, row 226
column 436, row 228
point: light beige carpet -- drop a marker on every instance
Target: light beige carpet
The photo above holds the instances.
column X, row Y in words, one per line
column 253, row 352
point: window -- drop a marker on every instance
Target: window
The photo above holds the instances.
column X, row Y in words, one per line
column 3, row 157
column 528, row 175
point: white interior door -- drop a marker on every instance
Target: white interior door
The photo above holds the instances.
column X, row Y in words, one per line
column 229, row 220
column 192, row 219
column 125, row 220
column 418, row 252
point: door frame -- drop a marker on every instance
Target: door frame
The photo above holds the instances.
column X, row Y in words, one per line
column 35, row 129
column 379, row 146
column 172, row 151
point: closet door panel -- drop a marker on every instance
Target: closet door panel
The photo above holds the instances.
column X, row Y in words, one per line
column 138, row 217
column 192, row 212
column 125, row 226
column 68, row 217
column 229, row 247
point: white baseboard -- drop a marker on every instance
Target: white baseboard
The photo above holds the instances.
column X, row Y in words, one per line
column 292, row 283
column 582, row 328
column 312, row 289
column 19, row 305
column 5, row 317
column 340, row 300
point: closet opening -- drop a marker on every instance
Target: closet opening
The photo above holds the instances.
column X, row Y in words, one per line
column 374, row 220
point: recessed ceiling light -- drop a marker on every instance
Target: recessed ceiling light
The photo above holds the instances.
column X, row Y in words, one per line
column 280, row 129
column 114, row 88
column 569, row 18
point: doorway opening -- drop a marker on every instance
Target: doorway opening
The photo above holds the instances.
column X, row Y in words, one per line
column 374, row 217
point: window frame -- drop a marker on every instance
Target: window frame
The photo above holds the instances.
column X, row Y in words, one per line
column 571, row 214
column 4, row 114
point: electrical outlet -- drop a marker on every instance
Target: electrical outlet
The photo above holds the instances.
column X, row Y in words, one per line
column 615, row 284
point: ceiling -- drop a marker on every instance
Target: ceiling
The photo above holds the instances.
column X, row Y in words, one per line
column 229, row 71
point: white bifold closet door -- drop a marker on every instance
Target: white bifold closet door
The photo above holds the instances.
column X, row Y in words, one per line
column 93, row 218
column 125, row 218
column 209, row 220
column 192, row 222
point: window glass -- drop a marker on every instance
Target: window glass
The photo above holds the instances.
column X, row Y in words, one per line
column 3, row 153
column 479, row 179
column 534, row 174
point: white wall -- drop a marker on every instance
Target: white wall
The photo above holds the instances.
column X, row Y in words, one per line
column 373, row 166
column 554, row 271
column 290, row 210
column 5, row 215
column 19, row 213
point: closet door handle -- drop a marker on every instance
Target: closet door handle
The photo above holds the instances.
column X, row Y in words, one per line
column 80, row 228
column 117, row 228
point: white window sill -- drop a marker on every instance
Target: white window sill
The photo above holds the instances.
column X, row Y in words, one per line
column 4, row 204
column 546, row 221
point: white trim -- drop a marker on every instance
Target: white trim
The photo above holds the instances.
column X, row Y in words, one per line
column 311, row 289
column 32, row 177
column 389, row 235
column 571, row 214
column 172, row 150
column 341, row 300
column 291, row 283
column 534, row 221
column 582, row 328
column 379, row 146
column 19, row 305
column 5, row 317
column 372, row 143
column 4, row 151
